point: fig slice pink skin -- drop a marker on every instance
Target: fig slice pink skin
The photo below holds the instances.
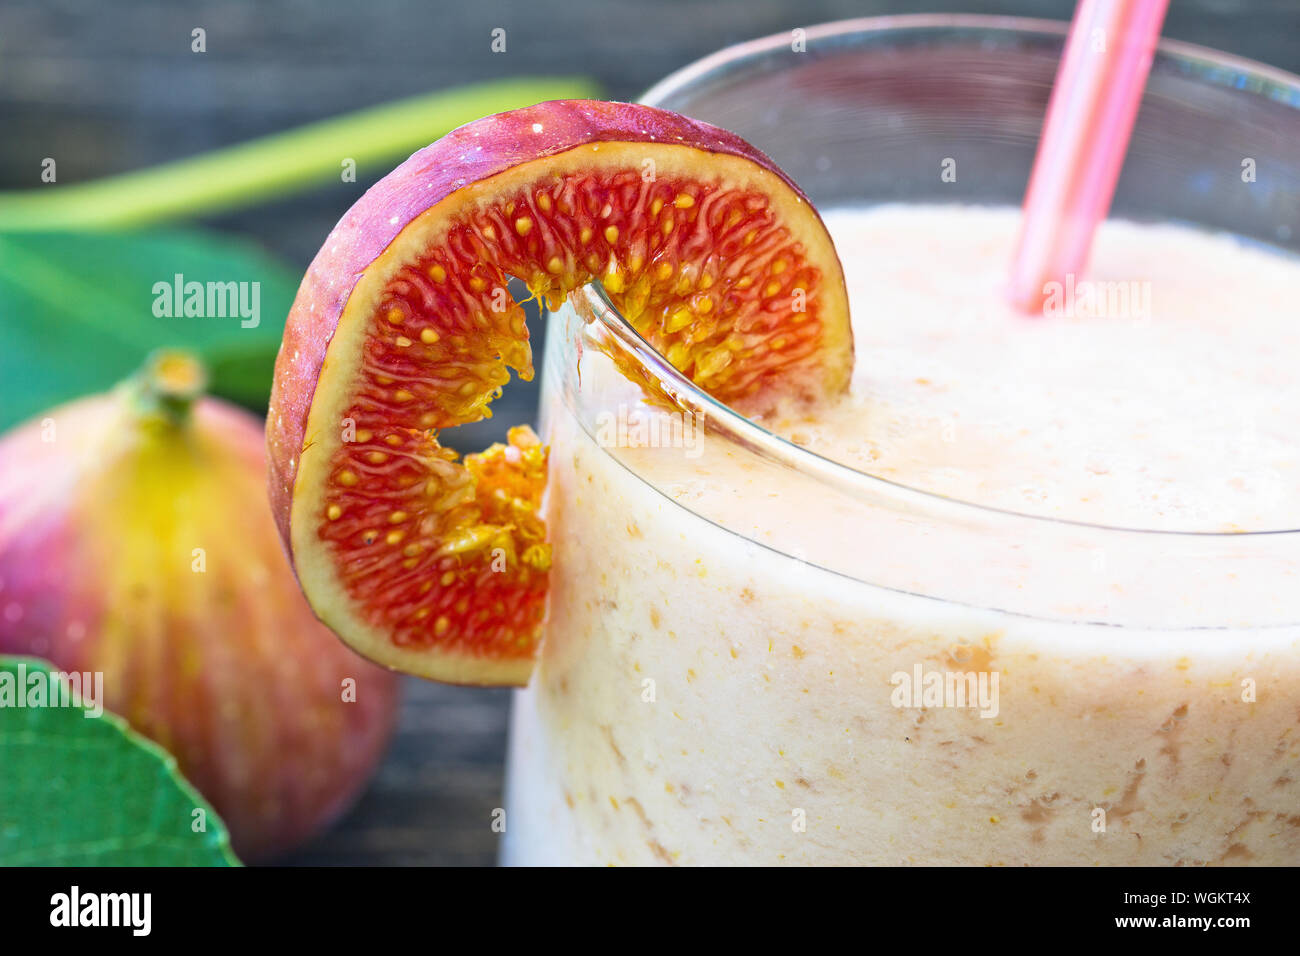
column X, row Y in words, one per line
column 710, row 251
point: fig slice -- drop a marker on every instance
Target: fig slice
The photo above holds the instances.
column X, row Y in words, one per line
column 403, row 327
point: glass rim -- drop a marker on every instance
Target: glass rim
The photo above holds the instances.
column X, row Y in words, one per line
column 746, row 433
column 974, row 22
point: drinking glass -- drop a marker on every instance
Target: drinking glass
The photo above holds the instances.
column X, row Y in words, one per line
column 717, row 683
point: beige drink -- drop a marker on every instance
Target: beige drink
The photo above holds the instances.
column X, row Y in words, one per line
column 753, row 662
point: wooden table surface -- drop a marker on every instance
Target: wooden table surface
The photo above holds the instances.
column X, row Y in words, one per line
column 112, row 86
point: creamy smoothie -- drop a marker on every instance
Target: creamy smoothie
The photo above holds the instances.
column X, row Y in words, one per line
column 1023, row 623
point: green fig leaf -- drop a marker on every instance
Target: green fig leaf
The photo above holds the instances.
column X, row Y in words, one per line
column 78, row 790
column 79, row 312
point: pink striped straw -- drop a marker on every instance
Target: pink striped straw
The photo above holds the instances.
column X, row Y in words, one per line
column 1089, row 119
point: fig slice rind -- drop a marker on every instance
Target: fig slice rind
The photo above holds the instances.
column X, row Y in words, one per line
column 403, row 327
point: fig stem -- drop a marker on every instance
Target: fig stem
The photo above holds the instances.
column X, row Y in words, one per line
column 169, row 384
column 274, row 166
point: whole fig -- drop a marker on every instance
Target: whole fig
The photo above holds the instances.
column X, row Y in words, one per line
column 135, row 540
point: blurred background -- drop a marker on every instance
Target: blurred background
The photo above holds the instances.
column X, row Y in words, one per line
column 112, row 87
